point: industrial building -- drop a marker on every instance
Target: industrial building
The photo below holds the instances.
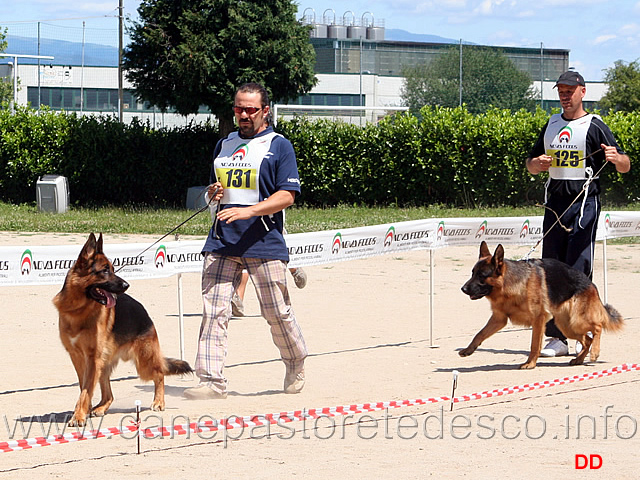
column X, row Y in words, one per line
column 355, row 66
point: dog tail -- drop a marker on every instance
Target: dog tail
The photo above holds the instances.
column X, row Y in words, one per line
column 177, row 367
column 614, row 321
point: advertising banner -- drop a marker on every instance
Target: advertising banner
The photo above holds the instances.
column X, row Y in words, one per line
column 46, row 265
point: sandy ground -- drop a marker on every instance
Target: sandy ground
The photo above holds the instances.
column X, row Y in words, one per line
column 366, row 323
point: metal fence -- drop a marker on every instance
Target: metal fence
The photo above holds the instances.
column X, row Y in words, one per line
column 91, row 41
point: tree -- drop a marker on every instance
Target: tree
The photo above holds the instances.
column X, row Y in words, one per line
column 489, row 78
column 6, row 85
column 188, row 53
column 623, row 93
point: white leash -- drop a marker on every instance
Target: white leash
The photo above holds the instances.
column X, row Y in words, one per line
column 585, row 189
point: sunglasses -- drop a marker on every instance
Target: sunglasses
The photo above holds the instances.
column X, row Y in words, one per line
column 249, row 110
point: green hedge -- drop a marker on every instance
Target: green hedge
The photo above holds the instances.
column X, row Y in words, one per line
column 105, row 161
column 449, row 157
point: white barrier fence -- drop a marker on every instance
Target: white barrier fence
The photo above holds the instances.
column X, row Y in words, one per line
column 47, row 265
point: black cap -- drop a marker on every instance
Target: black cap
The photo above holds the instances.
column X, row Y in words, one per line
column 570, row 78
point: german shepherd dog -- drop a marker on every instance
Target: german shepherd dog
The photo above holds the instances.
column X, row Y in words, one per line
column 531, row 292
column 100, row 324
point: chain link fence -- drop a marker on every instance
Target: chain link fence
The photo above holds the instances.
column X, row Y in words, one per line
column 91, row 41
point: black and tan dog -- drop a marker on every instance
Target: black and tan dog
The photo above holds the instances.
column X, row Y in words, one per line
column 531, row 292
column 100, row 325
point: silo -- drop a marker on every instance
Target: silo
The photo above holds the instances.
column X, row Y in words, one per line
column 375, row 29
column 333, row 29
column 320, row 30
column 375, row 33
column 353, row 29
column 337, row 31
column 356, row 31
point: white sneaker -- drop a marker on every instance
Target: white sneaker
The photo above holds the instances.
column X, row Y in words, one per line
column 237, row 307
column 300, row 277
column 555, row 348
column 293, row 381
column 579, row 345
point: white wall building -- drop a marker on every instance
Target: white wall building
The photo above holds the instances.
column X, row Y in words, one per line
column 341, row 90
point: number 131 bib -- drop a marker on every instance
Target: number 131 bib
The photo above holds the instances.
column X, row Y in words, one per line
column 238, row 168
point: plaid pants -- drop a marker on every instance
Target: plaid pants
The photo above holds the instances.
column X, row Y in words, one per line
column 220, row 277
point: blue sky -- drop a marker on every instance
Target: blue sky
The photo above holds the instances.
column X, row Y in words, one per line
column 597, row 32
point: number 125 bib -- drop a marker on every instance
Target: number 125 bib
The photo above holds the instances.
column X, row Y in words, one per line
column 566, row 142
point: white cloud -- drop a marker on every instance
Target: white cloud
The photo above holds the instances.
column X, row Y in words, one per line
column 565, row 3
column 630, row 29
column 526, row 14
column 486, row 7
column 604, row 38
column 453, row 4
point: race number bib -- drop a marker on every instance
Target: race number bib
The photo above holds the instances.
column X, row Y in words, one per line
column 566, row 142
column 238, row 168
column 567, row 158
column 244, row 178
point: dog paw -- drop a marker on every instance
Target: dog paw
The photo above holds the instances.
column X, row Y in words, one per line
column 465, row 352
column 528, row 366
column 576, row 361
column 157, row 407
column 77, row 422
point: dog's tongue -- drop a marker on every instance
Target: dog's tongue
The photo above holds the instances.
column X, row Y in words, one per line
column 111, row 299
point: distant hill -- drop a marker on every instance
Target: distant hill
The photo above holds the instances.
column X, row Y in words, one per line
column 399, row 35
column 64, row 52
column 97, row 55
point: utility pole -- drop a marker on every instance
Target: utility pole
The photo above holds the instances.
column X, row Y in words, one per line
column 542, row 75
column 120, row 46
column 460, row 76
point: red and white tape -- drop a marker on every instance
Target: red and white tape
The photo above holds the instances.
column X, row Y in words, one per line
column 296, row 415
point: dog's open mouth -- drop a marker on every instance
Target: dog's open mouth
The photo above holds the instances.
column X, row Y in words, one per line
column 100, row 295
column 476, row 296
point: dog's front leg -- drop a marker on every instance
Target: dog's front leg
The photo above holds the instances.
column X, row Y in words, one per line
column 107, row 395
column 87, row 386
column 496, row 323
column 536, row 343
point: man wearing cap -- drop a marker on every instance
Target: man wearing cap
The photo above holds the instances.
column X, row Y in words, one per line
column 572, row 148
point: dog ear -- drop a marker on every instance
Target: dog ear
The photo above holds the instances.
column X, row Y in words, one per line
column 484, row 250
column 88, row 250
column 99, row 244
column 498, row 259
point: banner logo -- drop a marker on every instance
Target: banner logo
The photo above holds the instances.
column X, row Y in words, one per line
column 336, row 244
column 388, row 237
column 524, row 230
column 26, row 262
column 161, row 256
column 440, row 231
column 611, row 225
column 482, row 229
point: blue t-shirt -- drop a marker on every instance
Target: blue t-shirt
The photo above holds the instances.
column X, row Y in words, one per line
column 251, row 170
